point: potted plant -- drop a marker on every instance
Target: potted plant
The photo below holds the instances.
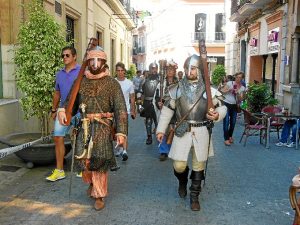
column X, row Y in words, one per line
column 37, row 59
column 258, row 96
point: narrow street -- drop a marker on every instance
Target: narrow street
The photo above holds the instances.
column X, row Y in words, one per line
column 244, row 186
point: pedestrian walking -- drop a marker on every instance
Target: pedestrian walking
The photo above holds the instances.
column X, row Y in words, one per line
column 180, row 75
column 233, row 92
column 63, row 83
column 148, row 98
column 188, row 102
column 129, row 95
column 170, row 79
column 101, row 101
column 137, row 80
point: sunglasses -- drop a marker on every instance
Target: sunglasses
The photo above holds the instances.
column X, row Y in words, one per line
column 63, row 55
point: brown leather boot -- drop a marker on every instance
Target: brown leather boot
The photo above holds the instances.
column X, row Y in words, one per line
column 195, row 188
column 183, row 180
column 99, row 204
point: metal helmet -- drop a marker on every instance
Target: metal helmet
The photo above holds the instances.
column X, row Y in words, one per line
column 153, row 68
column 191, row 61
column 96, row 59
column 171, row 63
column 153, row 64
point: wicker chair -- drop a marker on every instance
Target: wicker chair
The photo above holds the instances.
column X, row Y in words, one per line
column 276, row 123
column 255, row 125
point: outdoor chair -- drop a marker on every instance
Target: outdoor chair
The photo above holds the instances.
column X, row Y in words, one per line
column 255, row 125
column 276, row 123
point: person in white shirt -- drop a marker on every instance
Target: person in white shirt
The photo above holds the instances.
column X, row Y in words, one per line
column 233, row 92
column 129, row 95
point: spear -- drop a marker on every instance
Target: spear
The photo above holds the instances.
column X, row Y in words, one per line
column 210, row 105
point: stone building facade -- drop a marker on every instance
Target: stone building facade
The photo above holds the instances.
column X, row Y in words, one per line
column 111, row 21
column 267, row 46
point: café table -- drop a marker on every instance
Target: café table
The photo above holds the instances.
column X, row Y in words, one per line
column 285, row 117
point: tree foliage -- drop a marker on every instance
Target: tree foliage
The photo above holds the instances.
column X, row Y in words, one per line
column 131, row 72
column 218, row 74
column 37, row 56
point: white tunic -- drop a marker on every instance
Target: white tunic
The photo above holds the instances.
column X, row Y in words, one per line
column 197, row 137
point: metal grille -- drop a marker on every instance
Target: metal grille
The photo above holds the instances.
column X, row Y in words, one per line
column 58, row 8
column 70, row 30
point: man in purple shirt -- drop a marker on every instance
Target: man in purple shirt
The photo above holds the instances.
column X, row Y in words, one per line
column 64, row 81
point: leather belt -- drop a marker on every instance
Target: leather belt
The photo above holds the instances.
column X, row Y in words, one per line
column 198, row 124
column 106, row 115
column 148, row 98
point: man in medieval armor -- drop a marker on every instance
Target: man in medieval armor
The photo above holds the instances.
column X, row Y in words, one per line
column 189, row 104
column 100, row 101
column 148, row 96
column 170, row 79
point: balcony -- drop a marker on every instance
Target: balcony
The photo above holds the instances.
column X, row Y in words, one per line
column 141, row 50
column 219, row 37
column 126, row 4
column 242, row 9
column 138, row 50
column 123, row 11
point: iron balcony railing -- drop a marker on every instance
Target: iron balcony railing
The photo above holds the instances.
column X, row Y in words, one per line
column 217, row 37
column 141, row 50
column 220, row 36
column 138, row 50
column 237, row 4
column 131, row 12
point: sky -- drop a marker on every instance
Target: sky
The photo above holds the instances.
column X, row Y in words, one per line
column 150, row 5
column 153, row 6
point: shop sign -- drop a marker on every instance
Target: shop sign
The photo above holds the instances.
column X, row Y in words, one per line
column 253, row 50
column 211, row 60
column 273, row 40
column 253, row 42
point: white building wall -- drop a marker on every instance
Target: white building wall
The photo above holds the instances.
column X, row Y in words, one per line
column 231, row 47
column 170, row 33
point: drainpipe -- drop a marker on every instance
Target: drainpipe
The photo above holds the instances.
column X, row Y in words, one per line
column 283, row 49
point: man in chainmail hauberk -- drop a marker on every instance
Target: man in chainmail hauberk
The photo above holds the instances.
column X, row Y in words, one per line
column 100, row 101
column 188, row 101
column 148, row 98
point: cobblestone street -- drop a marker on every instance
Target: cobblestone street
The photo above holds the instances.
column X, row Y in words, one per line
column 244, row 186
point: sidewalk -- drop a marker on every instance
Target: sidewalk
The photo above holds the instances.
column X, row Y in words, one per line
column 244, row 186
